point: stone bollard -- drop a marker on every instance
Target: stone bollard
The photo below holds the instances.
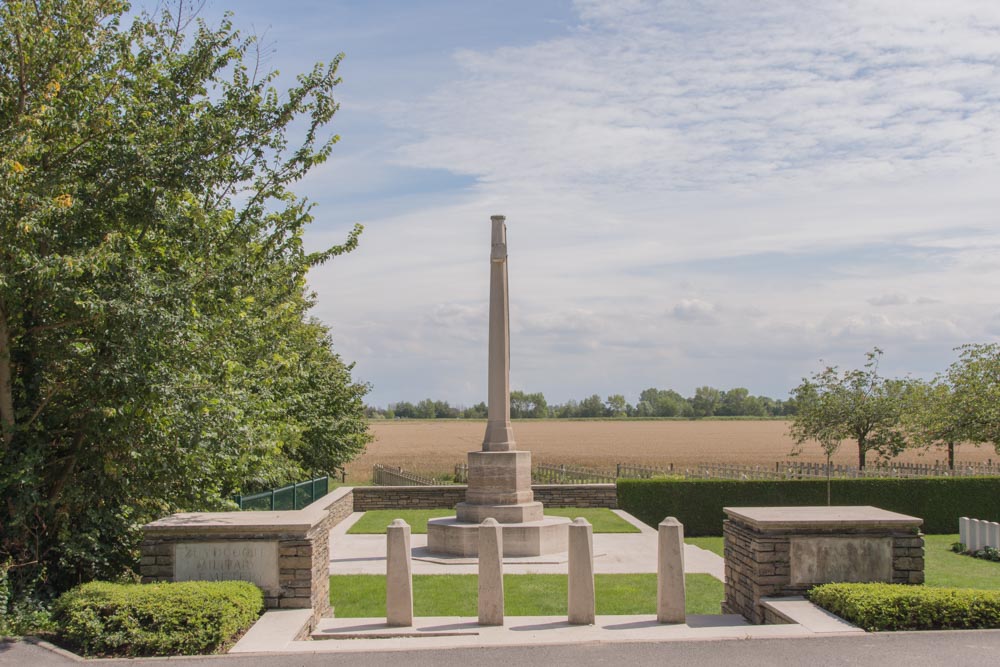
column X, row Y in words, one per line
column 398, row 575
column 963, row 530
column 670, row 572
column 490, row 573
column 580, row 592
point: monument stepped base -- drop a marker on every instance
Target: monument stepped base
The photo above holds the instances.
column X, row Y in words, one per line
column 521, row 513
column 534, row 538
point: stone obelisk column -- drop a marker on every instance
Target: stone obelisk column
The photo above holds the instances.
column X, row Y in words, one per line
column 499, row 434
column 499, row 475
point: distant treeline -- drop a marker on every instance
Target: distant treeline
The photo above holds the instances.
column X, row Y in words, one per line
column 706, row 402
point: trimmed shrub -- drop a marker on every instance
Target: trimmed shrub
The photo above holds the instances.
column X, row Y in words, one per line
column 901, row 607
column 698, row 503
column 185, row 618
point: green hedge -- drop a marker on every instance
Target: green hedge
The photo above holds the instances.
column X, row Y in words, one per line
column 186, row 618
column 901, row 607
column 698, row 503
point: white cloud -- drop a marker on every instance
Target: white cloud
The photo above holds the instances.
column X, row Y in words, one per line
column 799, row 167
column 694, row 310
column 893, row 299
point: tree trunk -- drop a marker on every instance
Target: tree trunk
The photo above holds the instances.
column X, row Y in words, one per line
column 6, row 382
column 861, row 455
column 951, row 456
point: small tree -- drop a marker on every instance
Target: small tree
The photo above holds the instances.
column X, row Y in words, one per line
column 932, row 416
column 858, row 404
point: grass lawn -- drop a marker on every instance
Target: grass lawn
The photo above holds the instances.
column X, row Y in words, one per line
column 375, row 521
column 713, row 544
column 944, row 568
column 363, row 595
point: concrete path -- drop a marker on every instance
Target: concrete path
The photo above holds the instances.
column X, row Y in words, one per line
column 614, row 553
column 904, row 649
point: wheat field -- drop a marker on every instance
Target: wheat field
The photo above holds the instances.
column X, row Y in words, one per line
column 435, row 446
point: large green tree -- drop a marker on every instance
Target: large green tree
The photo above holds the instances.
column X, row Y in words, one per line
column 858, row 404
column 975, row 382
column 156, row 351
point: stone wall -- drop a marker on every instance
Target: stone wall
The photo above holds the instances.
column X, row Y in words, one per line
column 447, row 496
column 759, row 557
column 577, row 495
column 407, row 497
column 301, row 539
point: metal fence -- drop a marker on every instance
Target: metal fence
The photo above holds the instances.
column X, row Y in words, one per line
column 291, row 497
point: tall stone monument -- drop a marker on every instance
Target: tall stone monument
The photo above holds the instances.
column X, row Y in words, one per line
column 499, row 474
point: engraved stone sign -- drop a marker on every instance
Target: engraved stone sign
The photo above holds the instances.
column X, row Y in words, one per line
column 223, row 561
column 819, row 560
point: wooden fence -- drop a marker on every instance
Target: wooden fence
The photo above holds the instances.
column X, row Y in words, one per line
column 383, row 475
column 570, row 474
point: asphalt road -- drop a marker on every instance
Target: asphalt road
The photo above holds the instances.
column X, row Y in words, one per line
column 912, row 649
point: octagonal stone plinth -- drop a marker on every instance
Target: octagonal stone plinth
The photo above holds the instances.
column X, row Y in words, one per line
column 450, row 536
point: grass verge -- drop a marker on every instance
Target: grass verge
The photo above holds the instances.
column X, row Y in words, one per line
column 363, row 595
column 713, row 544
column 944, row 568
column 375, row 521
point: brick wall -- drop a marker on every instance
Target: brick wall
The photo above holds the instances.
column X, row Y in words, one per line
column 447, row 496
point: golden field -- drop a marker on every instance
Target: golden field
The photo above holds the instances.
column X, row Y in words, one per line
column 435, row 446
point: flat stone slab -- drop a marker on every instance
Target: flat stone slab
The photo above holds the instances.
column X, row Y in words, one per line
column 772, row 519
column 797, row 609
column 224, row 523
column 372, row 634
column 276, row 627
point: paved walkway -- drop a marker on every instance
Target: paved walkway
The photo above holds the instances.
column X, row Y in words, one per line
column 905, row 649
column 614, row 553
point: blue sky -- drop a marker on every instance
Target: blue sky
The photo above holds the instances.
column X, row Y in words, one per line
column 719, row 193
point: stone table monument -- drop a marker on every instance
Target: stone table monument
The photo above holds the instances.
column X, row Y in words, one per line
column 499, row 475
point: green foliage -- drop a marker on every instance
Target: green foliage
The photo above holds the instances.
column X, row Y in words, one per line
column 156, row 351
column 698, row 503
column 900, row 607
column 528, row 406
column 20, row 617
column 186, row 618
column 975, row 379
column 653, row 403
column 858, row 404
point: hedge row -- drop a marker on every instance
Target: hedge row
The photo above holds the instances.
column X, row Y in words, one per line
column 698, row 503
column 185, row 618
column 901, row 607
